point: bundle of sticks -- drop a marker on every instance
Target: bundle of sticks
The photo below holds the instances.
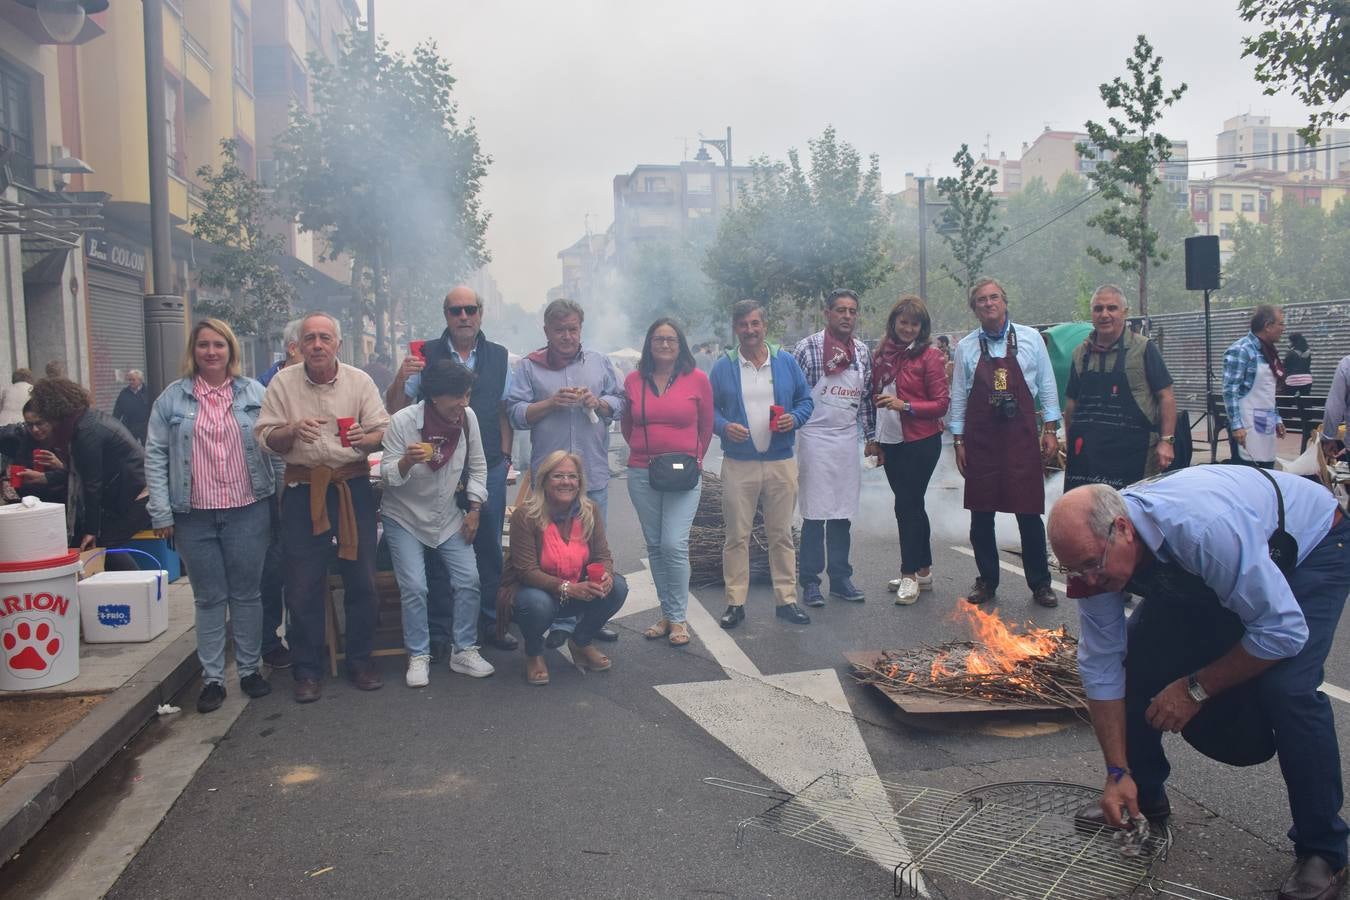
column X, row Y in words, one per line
column 707, row 536
column 962, row 669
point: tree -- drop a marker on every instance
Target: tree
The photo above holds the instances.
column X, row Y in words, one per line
column 1130, row 153
column 1304, row 48
column 665, row 279
column 244, row 264
column 797, row 234
column 969, row 223
column 385, row 172
column 1297, row 256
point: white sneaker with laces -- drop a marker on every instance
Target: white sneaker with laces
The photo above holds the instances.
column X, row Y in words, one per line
column 470, row 662
column 417, row 671
column 907, row 592
column 893, row 585
column 925, row 581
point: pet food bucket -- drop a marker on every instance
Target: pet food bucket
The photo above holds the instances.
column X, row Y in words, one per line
column 39, row 623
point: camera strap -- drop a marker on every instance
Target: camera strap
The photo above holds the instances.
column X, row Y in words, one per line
column 1282, row 546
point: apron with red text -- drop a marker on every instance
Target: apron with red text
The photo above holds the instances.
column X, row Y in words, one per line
column 829, row 457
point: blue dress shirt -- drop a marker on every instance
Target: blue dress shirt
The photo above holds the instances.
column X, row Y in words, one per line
column 1032, row 357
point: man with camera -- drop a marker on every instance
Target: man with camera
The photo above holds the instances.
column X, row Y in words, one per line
column 1001, row 371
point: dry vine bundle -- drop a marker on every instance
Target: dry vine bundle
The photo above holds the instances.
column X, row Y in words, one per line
column 708, row 533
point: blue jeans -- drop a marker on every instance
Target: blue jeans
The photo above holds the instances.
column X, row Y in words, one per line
column 534, row 610
column 272, row 584
column 456, row 555
column 224, row 550
column 487, row 548
column 817, row 536
column 1281, row 707
column 666, row 518
column 567, row 621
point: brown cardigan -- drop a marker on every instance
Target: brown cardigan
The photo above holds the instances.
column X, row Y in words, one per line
column 521, row 567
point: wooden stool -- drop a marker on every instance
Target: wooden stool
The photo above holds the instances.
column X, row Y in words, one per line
column 388, row 606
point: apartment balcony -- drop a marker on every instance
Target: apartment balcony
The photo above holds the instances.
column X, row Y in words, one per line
column 649, row 198
column 197, row 67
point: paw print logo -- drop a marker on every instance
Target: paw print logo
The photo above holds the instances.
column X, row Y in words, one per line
column 30, row 647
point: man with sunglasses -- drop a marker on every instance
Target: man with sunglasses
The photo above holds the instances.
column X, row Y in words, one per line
column 463, row 341
column 1227, row 646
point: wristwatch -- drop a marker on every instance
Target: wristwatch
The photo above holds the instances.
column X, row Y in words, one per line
column 1195, row 689
column 1169, row 438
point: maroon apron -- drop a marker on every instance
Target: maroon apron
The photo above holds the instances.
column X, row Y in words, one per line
column 1003, row 453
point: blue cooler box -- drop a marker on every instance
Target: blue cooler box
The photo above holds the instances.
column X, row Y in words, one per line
column 166, row 556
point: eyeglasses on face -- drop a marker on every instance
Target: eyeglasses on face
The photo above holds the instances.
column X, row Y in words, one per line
column 34, row 426
column 470, row 310
column 564, row 476
column 1092, row 571
column 666, row 341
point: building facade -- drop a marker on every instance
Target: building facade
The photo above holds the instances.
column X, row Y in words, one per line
column 1250, row 143
column 657, row 202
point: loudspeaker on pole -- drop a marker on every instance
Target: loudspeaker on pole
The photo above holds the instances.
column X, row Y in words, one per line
column 1202, row 263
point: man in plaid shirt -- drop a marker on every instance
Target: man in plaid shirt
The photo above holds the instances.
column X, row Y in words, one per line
column 1251, row 376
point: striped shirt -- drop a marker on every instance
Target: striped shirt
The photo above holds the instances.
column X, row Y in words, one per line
column 220, row 478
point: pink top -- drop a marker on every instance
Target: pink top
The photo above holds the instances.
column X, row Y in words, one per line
column 564, row 559
column 220, row 478
column 680, row 420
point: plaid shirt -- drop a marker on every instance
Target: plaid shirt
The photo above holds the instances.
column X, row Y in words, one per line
column 1239, row 374
column 810, row 355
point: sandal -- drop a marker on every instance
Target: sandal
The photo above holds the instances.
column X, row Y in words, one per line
column 588, row 657
column 679, row 634
column 536, row 671
column 659, row 630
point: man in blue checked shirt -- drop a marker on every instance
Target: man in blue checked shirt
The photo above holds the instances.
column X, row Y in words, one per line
column 1226, row 648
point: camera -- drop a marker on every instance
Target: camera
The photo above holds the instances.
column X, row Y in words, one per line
column 1006, row 406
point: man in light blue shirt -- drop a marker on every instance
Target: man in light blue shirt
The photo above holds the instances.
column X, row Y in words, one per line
column 1001, row 374
column 1226, row 648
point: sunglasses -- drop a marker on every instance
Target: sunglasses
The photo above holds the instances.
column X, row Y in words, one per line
column 461, row 310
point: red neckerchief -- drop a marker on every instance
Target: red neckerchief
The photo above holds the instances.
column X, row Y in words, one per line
column 886, row 365
column 837, row 355
column 1272, row 358
column 442, row 433
column 545, row 357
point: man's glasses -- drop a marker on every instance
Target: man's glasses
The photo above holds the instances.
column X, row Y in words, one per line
column 471, row 310
column 1092, row 571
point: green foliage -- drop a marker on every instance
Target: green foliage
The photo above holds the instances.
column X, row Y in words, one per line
column 796, row 234
column 1130, row 151
column 243, row 266
column 969, row 223
column 384, row 171
column 1304, row 48
column 1299, row 256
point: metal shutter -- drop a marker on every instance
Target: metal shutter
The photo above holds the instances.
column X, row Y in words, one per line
column 116, row 332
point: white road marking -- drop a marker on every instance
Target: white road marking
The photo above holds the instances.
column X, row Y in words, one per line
column 1009, row 567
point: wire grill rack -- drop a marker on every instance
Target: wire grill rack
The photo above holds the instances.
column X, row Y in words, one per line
column 1018, row 840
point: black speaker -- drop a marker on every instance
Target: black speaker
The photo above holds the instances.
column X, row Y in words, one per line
column 1202, row 263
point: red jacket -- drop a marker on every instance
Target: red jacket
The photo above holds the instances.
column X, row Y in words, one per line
column 922, row 380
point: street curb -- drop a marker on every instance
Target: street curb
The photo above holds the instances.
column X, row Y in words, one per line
column 37, row 791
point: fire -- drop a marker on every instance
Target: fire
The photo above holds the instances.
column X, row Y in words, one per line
column 1001, row 649
column 939, row 669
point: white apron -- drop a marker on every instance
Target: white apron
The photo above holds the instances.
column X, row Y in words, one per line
column 829, row 459
column 1260, row 415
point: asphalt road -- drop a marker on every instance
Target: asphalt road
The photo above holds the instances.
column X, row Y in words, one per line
column 593, row 786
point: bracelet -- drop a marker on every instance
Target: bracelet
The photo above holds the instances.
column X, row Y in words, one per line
column 1116, row 773
column 957, row 440
column 562, row 591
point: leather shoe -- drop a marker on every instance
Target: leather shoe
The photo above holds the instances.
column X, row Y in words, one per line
column 811, row 595
column 791, row 612
column 556, row 638
column 1312, row 878
column 1157, row 812
column 1045, row 596
column 364, row 676
column 307, row 690
column 845, row 589
column 981, row 593
column 734, row 616
column 279, row 657
column 607, row 634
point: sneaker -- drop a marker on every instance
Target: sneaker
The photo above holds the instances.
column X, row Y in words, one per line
column 418, row 667
column 212, row 695
column 255, row 685
column 845, row 589
column 907, row 592
column 811, row 595
column 925, row 581
column 470, row 662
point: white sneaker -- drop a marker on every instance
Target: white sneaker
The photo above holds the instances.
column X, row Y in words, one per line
column 417, row 671
column 470, row 662
column 907, row 592
column 925, row 581
column 893, row 585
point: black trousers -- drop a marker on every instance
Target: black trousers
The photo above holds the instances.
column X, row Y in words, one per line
column 1035, row 559
column 909, row 467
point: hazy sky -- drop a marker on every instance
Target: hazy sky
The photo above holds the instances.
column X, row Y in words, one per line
column 566, row 95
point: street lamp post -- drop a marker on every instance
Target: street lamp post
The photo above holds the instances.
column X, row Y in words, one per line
column 724, row 147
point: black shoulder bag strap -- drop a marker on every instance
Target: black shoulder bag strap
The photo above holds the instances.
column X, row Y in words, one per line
column 1282, row 545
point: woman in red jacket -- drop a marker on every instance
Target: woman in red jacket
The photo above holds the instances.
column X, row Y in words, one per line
column 909, row 382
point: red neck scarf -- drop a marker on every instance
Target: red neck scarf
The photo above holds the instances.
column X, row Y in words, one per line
column 838, row 355
column 441, row 433
column 545, row 357
column 886, row 364
column 1272, row 358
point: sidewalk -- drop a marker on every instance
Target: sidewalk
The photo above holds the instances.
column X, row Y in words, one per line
column 134, row 680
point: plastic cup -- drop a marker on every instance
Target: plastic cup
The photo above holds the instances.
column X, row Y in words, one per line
column 344, row 424
column 416, row 348
column 39, row 465
column 775, row 412
column 595, row 572
column 16, row 477
column 429, row 447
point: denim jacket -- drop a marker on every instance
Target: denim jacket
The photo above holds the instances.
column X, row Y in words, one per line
column 168, row 448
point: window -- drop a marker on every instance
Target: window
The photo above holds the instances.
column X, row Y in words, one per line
column 698, row 183
column 1201, row 202
column 1248, row 203
column 239, row 50
column 16, row 121
column 1264, row 203
column 1225, row 232
column 1226, row 202
column 171, row 127
column 653, row 183
column 1312, row 200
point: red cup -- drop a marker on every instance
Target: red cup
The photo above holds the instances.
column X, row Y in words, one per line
column 344, row 424
column 775, row 412
column 39, row 465
column 16, row 477
column 416, row 348
column 595, row 572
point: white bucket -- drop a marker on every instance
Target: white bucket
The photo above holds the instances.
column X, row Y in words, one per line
column 39, row 623
column 32, row 530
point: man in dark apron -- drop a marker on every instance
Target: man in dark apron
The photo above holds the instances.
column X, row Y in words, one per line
column 1120, row 412
column 1001, row 371
column 1244, row 576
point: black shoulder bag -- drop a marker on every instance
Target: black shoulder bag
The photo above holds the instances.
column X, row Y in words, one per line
column 669, row 472
column 1282, row 546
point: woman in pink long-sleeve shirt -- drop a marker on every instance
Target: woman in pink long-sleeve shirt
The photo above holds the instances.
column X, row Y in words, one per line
column 668, row 410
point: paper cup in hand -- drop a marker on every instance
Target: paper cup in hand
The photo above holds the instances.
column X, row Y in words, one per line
column 775, row 413
column 416, row 348
column 590, row 414
column 344, row 424
column 595, row 572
